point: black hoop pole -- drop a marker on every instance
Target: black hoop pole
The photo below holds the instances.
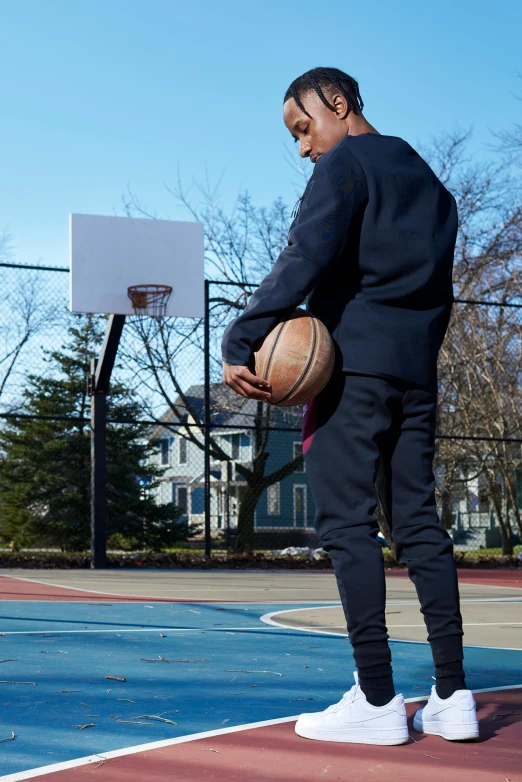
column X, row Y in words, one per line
column 207, row 419
column 98, row 387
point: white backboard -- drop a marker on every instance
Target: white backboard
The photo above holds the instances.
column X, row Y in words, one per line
column 110, row 253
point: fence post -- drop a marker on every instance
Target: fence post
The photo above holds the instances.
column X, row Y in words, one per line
column 207, row 419
column 98, row 476
column 229, row 478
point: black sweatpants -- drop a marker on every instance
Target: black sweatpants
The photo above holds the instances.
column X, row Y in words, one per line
column 363, row 437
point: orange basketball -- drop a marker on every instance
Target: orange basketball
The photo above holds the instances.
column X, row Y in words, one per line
column 297, row 359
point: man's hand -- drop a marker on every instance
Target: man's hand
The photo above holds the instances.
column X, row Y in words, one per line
column 242, row 381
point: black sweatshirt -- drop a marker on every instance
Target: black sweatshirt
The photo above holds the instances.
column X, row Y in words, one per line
column 371, row 250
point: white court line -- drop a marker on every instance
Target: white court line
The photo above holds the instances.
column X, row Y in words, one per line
column 469, row 624
column 267, row 618
column 466, row 646
column 117, row 753
column 303, row 628
column 137, row 630
column 489, row 586
column 392, row 627
column 480, row 586
column 470, row 600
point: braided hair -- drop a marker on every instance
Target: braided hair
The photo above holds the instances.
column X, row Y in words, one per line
column 319, row 79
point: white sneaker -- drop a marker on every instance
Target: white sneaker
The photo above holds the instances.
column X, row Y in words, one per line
column 355, row 721
column 452, row 718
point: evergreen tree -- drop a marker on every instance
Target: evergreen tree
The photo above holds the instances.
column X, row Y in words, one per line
column 45, row 462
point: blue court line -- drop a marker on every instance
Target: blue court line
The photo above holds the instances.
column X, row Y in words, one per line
column 209, row 693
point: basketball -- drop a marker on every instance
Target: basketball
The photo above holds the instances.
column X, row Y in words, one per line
column 296, row 358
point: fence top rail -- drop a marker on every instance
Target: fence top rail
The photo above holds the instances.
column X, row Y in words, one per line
column 35, row 267
column 488, row 303
column 245, row 283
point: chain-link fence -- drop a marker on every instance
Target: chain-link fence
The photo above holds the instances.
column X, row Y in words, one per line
column 190, row 464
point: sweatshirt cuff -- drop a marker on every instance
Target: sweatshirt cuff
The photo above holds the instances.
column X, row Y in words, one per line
column 237, row 360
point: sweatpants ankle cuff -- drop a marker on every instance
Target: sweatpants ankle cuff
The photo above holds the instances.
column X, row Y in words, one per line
column 372, row 654
column 447, row 650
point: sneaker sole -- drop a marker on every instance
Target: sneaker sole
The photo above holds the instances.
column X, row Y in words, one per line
column 450, row 732
column 386, row 737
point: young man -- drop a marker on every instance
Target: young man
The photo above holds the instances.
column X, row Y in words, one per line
column 371, row 250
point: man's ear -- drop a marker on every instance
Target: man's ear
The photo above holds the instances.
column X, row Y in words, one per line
column 341, row 106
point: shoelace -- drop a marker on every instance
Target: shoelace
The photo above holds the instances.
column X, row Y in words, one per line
column 348, row 697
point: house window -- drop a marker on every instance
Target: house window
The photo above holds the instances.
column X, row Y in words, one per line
column 164, row 451
column 236, row 444
column 183, row 451
column 181, row 497
column 298, row 450
column 299, row 499
column 273, row 495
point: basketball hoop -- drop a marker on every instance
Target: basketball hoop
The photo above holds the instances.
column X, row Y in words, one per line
column 149, row 299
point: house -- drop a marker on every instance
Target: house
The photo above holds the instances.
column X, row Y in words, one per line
column 284, row 512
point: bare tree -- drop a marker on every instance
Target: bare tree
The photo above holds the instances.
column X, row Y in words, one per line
column 509, row 141
column 241, row 246
column 25, row 315
column 480, row 361
column 486, row 347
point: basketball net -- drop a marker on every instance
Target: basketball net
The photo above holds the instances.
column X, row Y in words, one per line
column 149, row 300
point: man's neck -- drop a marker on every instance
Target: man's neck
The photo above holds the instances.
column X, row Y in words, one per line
column 357, row 124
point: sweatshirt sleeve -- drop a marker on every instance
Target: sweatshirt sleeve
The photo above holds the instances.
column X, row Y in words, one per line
column 332, row 201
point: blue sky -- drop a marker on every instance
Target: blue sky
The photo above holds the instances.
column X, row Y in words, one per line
column 103, row 94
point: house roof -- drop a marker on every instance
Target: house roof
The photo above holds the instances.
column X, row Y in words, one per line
column 226, row 408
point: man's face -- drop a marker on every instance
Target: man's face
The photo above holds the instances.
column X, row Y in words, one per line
column 318, row 135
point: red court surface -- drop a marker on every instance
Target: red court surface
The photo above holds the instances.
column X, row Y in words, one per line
column 17, row 588
column 276, row 753
column 483, row 577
